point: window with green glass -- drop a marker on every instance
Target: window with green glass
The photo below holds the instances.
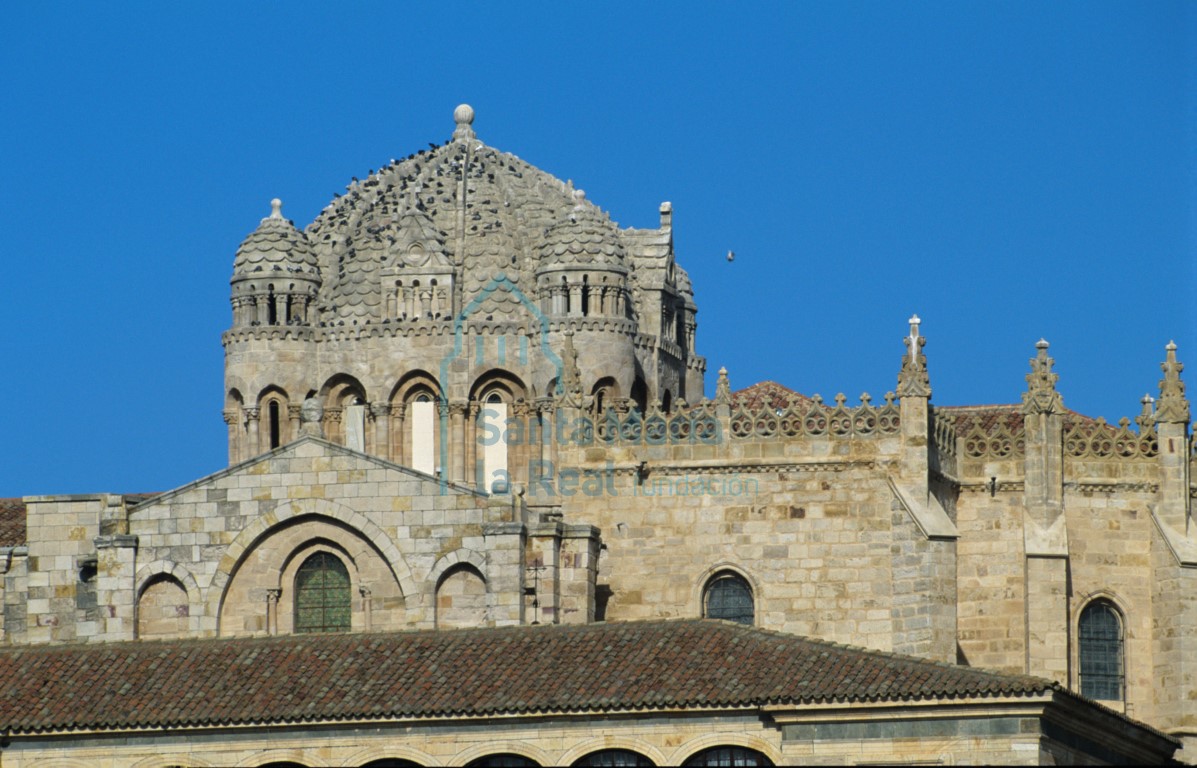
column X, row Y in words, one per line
column 322, row 601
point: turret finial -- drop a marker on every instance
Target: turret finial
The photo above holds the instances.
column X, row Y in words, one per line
column 276, row 208
column 464, row 117
column 1041, row 395
column 913, row 380
column 1173, row 407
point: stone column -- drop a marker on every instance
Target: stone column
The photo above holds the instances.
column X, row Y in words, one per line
column 914, row 391
column 1174, row 557
column 518, row 455
column 272, row 596
column 251, row 429
column 381, row 414
column 398, row 430
column 543, row 573
column 470, row 439
column 505, row 566
column 444, row 452
column 580, row 547
column 1172, row 430
column 457, row 430
column 332, row 425
column 367, row 608
column 1045, row 536
column 116, row 569
column 294, row 417
column 232, row 420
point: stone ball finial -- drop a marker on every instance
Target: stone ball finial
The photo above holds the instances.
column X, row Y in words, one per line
column 1042, row 344
column 579, row 199
column 463, row 115
column 276, row 208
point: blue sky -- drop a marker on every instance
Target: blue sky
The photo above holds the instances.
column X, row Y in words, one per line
column 1008, row 171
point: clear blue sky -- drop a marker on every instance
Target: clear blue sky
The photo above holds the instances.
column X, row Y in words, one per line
column 1006, row 170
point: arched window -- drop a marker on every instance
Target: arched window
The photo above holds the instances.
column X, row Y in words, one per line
column 492, row 420
column 730, row 756
column 613, row 758
column 322, row 602
column 272, row 415
column 423, row 434
column 1101, row 652
column 728, row 596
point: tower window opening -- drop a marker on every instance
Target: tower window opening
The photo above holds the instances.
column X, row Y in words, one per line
column 585, row 295
column 271, row 309
column 273, row 418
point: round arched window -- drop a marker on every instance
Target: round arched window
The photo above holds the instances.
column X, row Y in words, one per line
column 732, row 756
column 613, row 758
column 322, row 599
column 1101, row 662
column 728, row 596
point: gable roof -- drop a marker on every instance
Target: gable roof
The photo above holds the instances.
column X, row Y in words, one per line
column 291, row 449
column 692, row 663
column 768, row 394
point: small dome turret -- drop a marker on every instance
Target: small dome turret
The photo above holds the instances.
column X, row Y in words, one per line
column 276, row 246
column 585, row 239
column 276, row 274
column 583, row 265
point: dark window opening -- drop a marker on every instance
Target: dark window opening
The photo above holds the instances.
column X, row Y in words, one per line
column 728, row 756
column 273, row 418
column 613, row 758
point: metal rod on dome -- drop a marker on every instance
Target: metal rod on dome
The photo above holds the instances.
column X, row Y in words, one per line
column 464, row 117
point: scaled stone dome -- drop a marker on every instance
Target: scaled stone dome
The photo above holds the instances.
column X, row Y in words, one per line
column 498, row 226
column 276, row 246
column 586, row 238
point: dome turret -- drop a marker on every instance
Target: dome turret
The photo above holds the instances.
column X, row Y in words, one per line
column 583, row 265
column 276, row 274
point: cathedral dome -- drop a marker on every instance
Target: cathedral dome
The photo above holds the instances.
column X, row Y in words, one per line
column 493, row 213
column 276, row 246
column 586, row 238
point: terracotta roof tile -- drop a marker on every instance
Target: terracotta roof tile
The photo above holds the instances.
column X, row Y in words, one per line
column 549, row 669
column 768, row 393
column 989, row 416
column 12, row 522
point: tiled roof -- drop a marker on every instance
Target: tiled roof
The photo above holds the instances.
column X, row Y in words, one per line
column 989, row 416
column 547, row 669
column 768, row 393
column 12, row 522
